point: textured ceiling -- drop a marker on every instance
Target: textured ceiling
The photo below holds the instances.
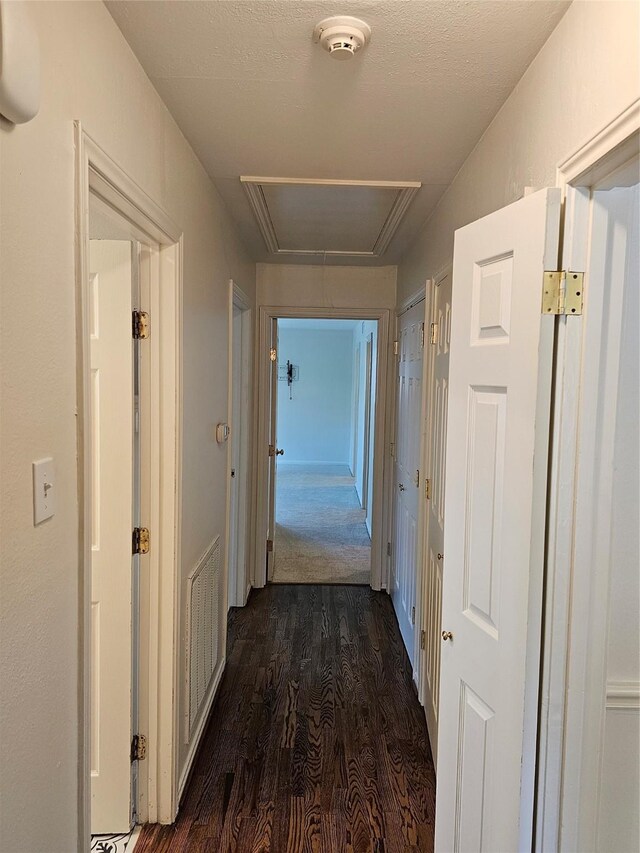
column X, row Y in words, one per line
column 254, row 95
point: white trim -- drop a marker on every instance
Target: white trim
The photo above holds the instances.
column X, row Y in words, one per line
column 623, row 696
column 96, row 173
column 198, row 731
column 382, row 467
column 417, row 296
column 561, row 737
column 602, row 144
column 253, row 187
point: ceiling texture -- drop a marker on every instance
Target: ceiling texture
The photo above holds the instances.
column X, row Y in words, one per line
column 256, row 97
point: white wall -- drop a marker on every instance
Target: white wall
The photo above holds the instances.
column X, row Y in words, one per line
column 315, row 425
column 88, row 73
column 315, row 286
column 585, row 75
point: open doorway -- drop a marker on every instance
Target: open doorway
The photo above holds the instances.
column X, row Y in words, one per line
column 128, row 279
column 324, row 413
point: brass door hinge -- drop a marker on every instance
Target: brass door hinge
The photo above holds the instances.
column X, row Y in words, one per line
column 434, row 334
column 273, row 354
column 140, row 325
column 396, row 346
column 138, row 748
column 562, row 292
column 427, row 489
column 269, row 546
column 423, row 639
column 140, row 540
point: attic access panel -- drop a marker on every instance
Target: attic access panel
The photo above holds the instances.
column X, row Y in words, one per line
column 324, row 217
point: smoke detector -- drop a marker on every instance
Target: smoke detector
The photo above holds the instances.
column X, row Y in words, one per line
column 342, row 36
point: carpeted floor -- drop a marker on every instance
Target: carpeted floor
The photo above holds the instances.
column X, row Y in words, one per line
column 321, row 536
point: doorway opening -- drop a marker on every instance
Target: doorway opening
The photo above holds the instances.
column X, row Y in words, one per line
column 324, row 423
column 128, row 280
column 366, row 427
column 115, row 264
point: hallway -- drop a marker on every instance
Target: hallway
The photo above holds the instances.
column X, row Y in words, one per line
column 316, row 741
column 321, row 536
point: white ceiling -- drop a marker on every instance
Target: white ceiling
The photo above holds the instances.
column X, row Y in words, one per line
column 255, row 96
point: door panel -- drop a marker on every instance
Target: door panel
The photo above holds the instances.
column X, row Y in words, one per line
column 112, row 514
column 235, row 593
column 496, row 461
column 440, row 338
column 273, row 441
column 403, row 586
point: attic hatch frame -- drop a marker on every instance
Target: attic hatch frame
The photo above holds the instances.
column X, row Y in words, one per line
column 253, row 187
column 97, row 174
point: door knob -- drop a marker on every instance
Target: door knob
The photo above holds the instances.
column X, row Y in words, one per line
column 447, row 635
column 279, row 452
column 401, row 487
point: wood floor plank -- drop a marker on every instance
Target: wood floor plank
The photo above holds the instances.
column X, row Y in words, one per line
column 316, row 741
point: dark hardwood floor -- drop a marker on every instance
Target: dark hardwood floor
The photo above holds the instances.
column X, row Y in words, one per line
column 316, row 741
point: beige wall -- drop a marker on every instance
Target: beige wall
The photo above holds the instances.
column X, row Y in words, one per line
column 315, row 286
column 585, row 75
column 88, row 73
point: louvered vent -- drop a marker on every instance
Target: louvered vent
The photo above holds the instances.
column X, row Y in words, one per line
column 203, row 603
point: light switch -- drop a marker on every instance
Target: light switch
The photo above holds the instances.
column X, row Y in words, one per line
column 44, row 492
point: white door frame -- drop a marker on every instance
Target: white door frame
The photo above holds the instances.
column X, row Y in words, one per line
column 574, row 611
column 96, row 173
column 238, row 597
column 381, row 467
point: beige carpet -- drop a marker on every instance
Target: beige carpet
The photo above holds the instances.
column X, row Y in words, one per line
column 321, row 536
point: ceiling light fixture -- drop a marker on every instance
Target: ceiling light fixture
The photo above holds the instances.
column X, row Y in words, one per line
column 342, row 36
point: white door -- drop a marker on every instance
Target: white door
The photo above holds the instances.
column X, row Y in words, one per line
column 440, row 341
column 496, row 463
column 112, row 514
column 407, row 482
column 236, row 595
column 274, row 452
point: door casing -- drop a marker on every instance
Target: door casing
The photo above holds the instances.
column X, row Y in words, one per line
column 564, row 807
column 98, row 174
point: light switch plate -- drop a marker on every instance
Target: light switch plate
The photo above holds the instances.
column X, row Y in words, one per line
column 44, row 491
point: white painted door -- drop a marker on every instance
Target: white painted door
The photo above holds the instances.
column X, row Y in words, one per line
column 496, row 463
column 439, row 338
column 236, row 595
column 407, row 480
column 273, row 449
column 112, row 514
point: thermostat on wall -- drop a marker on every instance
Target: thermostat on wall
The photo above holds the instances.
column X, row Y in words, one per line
column 223, row 431
column 19, row 64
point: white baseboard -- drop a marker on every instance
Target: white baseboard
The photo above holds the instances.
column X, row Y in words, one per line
column 200, row 727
